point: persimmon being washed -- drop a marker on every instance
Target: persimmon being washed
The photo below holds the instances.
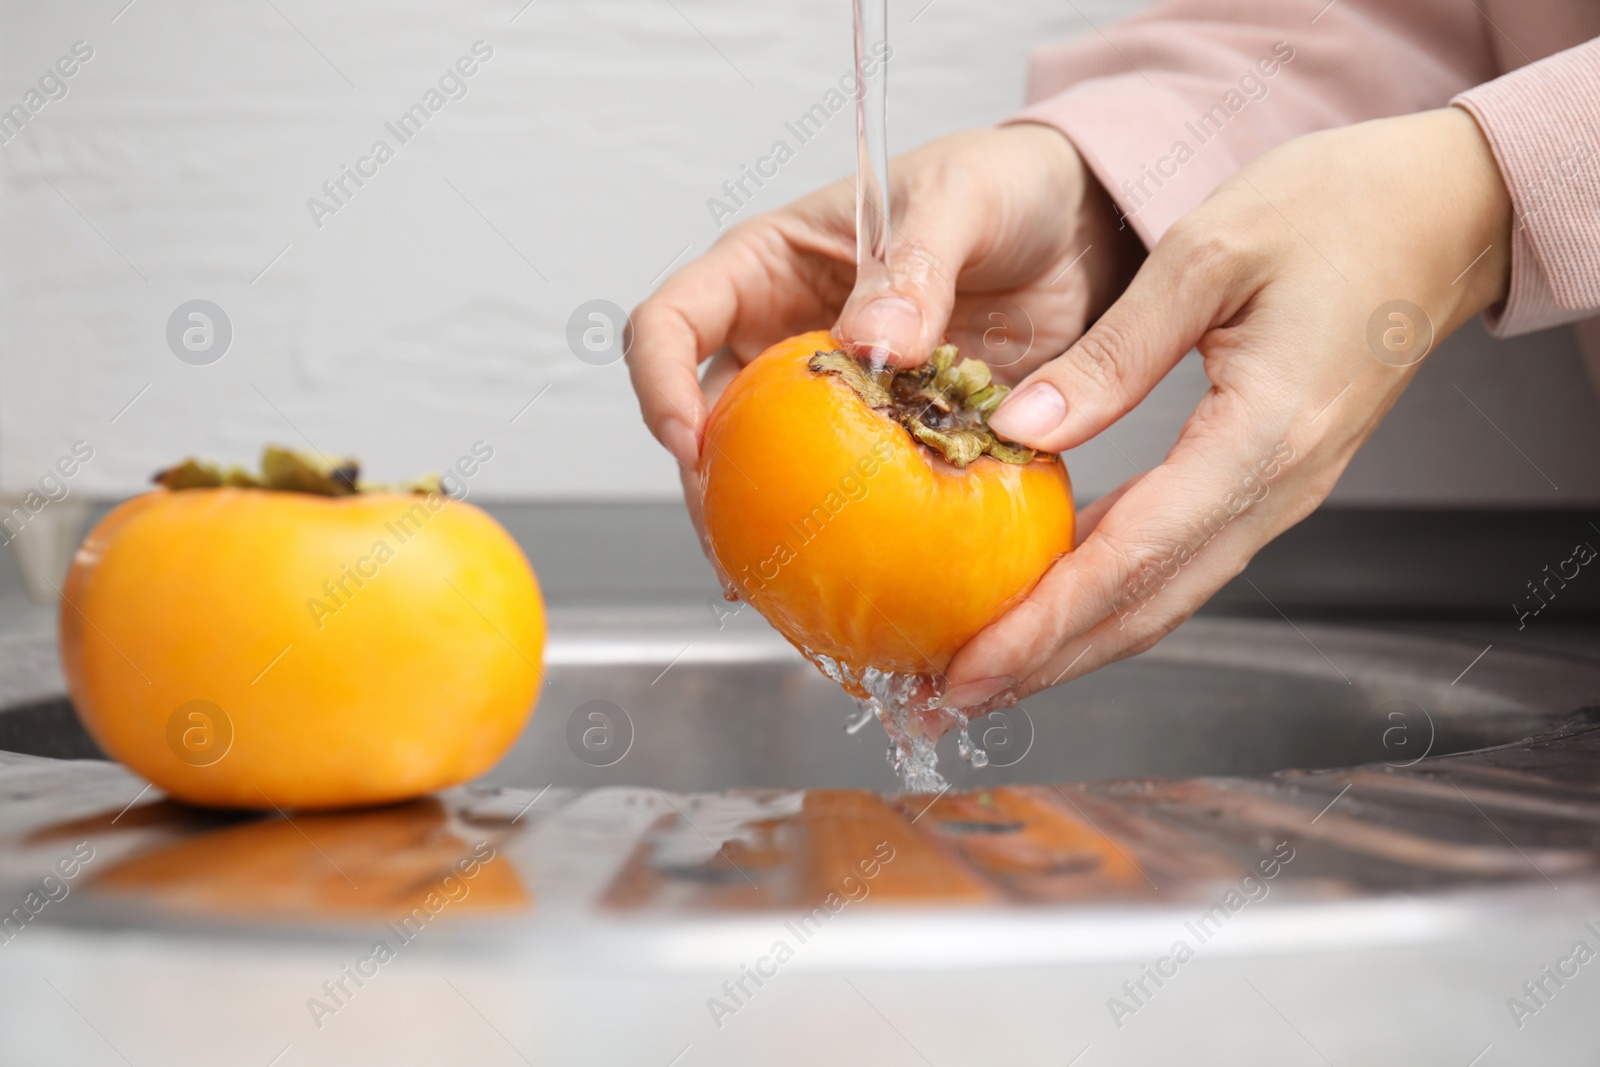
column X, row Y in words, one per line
column 290, row 641
column 872, row 516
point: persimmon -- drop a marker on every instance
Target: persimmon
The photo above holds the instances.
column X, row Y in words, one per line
column 300, row 640
column 870, row 514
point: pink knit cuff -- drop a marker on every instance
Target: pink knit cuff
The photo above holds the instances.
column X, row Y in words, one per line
column 1543, row 124
column 1129, row 132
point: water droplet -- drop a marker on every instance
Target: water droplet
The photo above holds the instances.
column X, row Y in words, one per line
column 970, row 752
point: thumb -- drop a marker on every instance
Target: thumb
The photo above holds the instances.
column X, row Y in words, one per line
column 1174, row 299
column 903, row 313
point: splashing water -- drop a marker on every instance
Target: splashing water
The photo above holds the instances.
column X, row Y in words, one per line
column 903, row 703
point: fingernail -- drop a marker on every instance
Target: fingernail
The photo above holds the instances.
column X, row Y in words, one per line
column 974, row 693
column 680, row 441
column 893, row 323
column 1030, row 414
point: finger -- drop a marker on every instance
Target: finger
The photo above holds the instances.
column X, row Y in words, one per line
column 1153, row 606
column 768, row 278
column 1120, row 635
column 1089, row 517
column 720, row 371
column 1184, row 289
column 683, row 322
column 1017, row 331
column 1174, row 536
column 904, row 316
column 693, row 499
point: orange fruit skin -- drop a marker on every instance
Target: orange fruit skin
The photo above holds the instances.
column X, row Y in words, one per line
column 854, row 540
column 415, row 674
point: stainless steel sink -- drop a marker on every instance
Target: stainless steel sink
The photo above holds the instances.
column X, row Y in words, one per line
column 686, row 798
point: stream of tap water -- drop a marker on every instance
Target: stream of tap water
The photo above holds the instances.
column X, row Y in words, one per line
column 872, row 146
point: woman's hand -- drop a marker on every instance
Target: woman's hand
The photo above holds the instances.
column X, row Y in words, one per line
column 1312, row 282
column 986, row 224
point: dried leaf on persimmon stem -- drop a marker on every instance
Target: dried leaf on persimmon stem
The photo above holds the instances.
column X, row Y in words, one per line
column 944, row 404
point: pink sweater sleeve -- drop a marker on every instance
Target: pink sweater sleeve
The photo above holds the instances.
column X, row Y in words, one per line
column 1543, row 122
column 1165, row 105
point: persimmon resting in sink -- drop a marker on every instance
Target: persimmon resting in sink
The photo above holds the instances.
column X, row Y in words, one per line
column 300, row 639
column 872, row 516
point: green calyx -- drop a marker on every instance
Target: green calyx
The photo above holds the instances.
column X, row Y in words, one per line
column 945, row 403
column 288, row 471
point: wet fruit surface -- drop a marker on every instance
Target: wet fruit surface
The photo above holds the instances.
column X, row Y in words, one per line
column 860, row 542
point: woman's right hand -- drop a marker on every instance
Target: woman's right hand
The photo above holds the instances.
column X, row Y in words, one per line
column 1002, row 241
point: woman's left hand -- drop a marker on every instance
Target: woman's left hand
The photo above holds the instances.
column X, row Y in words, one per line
column 1312, row 282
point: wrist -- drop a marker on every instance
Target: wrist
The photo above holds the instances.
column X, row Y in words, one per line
column 1483, row 207
column 1095, row 228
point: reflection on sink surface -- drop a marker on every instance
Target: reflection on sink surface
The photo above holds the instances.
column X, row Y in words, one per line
column 384, row 862
column 711, row 771
column 1507, row 817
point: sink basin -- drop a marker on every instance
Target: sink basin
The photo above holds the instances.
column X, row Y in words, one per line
column 740, row 708
column 686, row 798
